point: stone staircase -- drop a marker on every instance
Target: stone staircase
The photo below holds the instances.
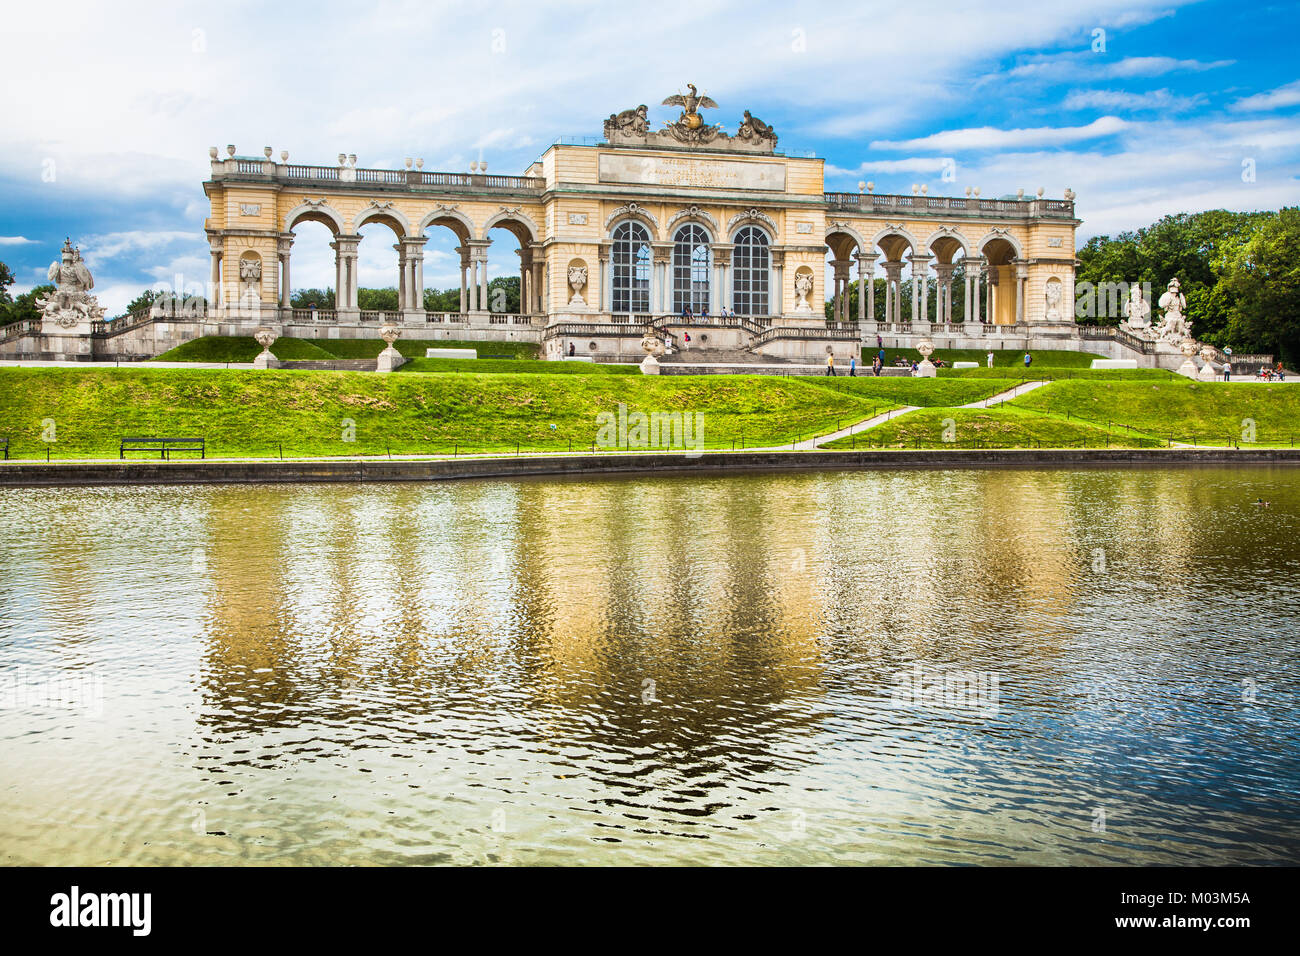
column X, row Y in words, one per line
column 705, row 356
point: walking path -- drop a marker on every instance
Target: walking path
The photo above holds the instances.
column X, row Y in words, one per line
column 812, row 444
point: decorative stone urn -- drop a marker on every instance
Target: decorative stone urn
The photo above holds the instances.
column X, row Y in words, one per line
column 577, row 280
column 926, row 369
column 389, row 358
column 1188, row 367
column 1208, row 372
column 654, row 347
column 266, row 338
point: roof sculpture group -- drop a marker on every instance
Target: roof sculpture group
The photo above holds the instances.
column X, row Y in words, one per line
column 632, row 127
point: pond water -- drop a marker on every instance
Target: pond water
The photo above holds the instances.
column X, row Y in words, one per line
column 915, row 667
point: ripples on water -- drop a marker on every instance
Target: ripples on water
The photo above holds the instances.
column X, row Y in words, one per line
column 681, row 670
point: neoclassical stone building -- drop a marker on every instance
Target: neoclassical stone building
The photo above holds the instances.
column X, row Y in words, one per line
column 631, row 232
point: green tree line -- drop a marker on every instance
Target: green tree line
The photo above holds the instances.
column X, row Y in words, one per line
column 1240, row 272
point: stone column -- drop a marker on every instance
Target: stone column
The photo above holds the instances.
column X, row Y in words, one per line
column 537, row 287
column 722, row 258
column 661, row 277
column 1022, row 284
column 893, row 290
column 403, row 286
column 284, row 247
column 464, row 277
column 869, row 260
column 214, row 279
column 412, row 255
column 479, row 252
column 776, row 297
column 473, row 283
column 920, row 287
column 345, row 269
column 943, row 292
column 981, row 315
column 605, row 296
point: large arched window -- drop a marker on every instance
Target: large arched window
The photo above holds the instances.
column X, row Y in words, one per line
column 631, row 277
column 751, row 259
column 691, row 268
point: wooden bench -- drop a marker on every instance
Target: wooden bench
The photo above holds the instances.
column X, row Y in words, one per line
column 164, row 446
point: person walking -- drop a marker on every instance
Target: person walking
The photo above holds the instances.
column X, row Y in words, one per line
column 988, row 362
column 853, row 365
column 1227, row 371
column 877, row 366
column 686, row 341
column 830, row 365
column 572, row 349
column 1028, row 359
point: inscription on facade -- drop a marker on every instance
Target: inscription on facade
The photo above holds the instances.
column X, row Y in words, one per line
column 692, row 172
column 577, row 219
column 803, row 227
column 1054, row 241
column 250, row 209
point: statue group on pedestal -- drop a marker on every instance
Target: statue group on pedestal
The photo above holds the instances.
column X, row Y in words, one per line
column 1172, row 328
column 70, row 304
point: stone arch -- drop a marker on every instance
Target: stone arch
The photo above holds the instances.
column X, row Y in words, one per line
column 695, row 214
column 995, row 234
column 452, row 218
column 945, row 243
column 893, row 240
column 633, row 211
column 315, row 211
column 751, row 215
column 386, row 213
column 516, row 222
column 841, row 238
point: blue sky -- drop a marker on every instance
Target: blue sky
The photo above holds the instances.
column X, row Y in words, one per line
column 108, row 142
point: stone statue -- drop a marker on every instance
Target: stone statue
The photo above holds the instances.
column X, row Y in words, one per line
column 753, row 129
column 1137, row 311
column 803, row 287
column 690, row 127
column 70, row 304
column 1053, row 302
column 627, row 124
column 1174, row 327
column 577, row 279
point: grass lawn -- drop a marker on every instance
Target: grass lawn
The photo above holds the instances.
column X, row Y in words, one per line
column 913, row 391
column 1002, row 358
column 230, row 348
column 1207, row 412
column 522, row 366
column 1036, row 374
column 1005, row 427
column 246, row 413
column 414, row 349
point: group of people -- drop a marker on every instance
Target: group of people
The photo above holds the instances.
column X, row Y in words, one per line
column 689, row 316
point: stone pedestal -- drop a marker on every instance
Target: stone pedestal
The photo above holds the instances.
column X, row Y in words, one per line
column 649, row 365
column 266, row 360
column 926, row 369
column 390, row 359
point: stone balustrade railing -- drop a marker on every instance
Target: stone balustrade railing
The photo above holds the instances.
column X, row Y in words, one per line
column 951, row 206
column 245, row 169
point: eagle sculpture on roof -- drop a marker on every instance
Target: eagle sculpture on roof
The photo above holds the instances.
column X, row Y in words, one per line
column 690, row 105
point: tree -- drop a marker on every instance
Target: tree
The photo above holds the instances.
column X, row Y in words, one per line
column 23, row 307
column 1261, row 285
column 6, row 280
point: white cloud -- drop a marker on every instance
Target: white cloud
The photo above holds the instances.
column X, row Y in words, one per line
column 17, row 241
column 915, row 164
column 1288, row 95
column 989, row 137
column 1162, row 100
